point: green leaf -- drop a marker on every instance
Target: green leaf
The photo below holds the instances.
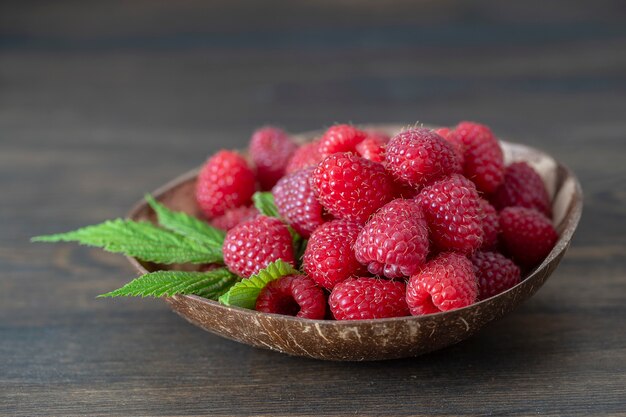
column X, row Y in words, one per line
column 141, row 240
column 264, row 202
column 186, row 225
column 210, row 284
column 245, row 292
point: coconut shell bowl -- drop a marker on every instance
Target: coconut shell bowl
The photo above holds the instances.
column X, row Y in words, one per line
column 366, row 340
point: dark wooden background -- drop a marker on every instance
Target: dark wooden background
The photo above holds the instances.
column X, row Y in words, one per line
column 103, row 101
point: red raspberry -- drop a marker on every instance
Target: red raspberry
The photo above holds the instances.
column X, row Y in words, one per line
column 296, row 202
column 351, row 187
column 373, row 146
column 305, row 156
column 368, row 298
column 293, row 295
column 522, row 187
column 484, row 161
column 452, row 210
column 527, row 234
column 329, row 257
column 445, row 133
column 394, row 242
column 252, row 245
column 491, row 225
column 233, row 217
column 340, row 138
column 224, row 182
column 419, row 156
column 270, row 149
column 445, row 283
column 495, row 273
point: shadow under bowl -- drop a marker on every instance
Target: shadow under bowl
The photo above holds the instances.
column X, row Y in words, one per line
column 382, row 338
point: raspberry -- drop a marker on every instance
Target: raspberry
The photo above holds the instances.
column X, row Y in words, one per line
column 293, row 295
column 491, row 226
column 296, row 202
column 224, row 182
column 452, row 210
column 445, row 283
column 484, row 161
column 368, row 298
column 305, row 156
column 351, row 187
column 233, row 217
column 377, row 135
column 270, row 149
column 252, row 245
column 522, row 187
column 419, row 156
column 494, row 273
column 328, row 258
column 527, row 234
column 373, row 146
column 394, row 242
column 340, row 138
column 445, row 132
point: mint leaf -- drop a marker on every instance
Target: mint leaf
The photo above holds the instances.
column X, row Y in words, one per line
column 187, row 225
column 210, row 284
column 141, row 240
column 264, row 202
column 245, row 292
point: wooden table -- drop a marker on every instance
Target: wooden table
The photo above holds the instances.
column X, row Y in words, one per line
column 100, row 103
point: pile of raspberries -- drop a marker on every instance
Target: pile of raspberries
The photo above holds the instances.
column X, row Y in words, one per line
column 418, row 223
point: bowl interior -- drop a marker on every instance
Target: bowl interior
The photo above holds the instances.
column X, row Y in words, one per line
column 371, row 339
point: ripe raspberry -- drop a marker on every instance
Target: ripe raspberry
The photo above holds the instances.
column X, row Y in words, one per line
column 305, row 156
column 296, row 202
column 491, row 225
column 394, row 242
column 522, row 187
column 351, row 187
column 252, row 245
column 445, row 283
column 445, row 132
column 293, row 295
column 419, row 156
column 328, row 258
column 340, row 138
column 270, row 149
column 494, row 273
column 224, row 182
column 368, row 298
column 452, row 210
column 527, row 234
column 373, row 146
column 484, row 161
column 233, row 217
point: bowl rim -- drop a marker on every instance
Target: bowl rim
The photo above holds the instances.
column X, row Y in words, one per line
column 573, row 218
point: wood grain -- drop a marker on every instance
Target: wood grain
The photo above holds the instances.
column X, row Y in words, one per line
column 101, row 102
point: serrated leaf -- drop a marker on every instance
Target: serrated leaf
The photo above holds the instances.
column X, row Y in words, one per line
column 264, row 202
column 245, row 292
column 186, row 225
column 210, row 284
column 141, row 240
